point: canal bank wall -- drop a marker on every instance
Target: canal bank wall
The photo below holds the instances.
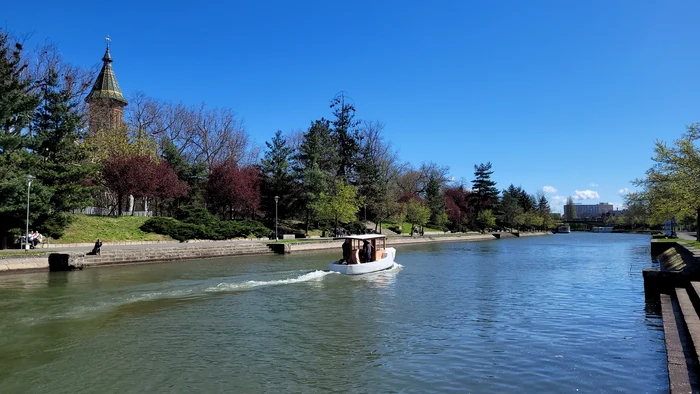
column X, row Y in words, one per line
column 675, row 287
column 203, row 250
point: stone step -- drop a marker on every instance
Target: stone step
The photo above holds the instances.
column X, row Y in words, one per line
column 690, row 317
column 679, row 380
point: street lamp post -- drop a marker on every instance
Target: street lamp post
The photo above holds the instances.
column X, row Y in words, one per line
column 26, row 236
column 277, row 198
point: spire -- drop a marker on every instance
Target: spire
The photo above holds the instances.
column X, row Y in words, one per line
column 106, row 86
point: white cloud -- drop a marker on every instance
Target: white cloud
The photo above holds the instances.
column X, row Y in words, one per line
column 585, row 195
column 594, row 185
column 549, row 189
column 556, row 203
column 624, row 191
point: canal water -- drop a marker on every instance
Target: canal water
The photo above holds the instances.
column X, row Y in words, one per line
column 561, row 313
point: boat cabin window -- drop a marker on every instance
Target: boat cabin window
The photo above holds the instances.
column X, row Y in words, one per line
column 357, row 246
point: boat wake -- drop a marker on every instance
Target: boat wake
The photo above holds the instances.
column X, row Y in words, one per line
column 176, row 291
column 241, row 286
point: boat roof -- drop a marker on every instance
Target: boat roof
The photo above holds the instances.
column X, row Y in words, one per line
column 362, row 237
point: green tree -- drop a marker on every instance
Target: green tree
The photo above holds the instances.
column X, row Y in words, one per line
column 315, row 158
column 510, row 207
column 544, row 211
column 18, row 101
column 434, row 199
column 63, row 165
column 345, row 136
column 278, row 179
column 193, row 174
column 339, row 206
column 485, row 193
column 570, row 209
column 485, row 220
column 417, row 213
column 672, row 184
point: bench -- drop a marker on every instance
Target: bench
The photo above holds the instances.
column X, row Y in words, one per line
column 41, row 245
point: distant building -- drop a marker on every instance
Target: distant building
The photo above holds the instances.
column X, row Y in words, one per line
column 590, row 211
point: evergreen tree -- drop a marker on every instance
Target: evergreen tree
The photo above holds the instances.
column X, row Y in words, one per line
column 345, row 136
column 543, row 206
column 510, row 207
column 485, row 192
column 544, row 212
column 277, row 177
column 314, row 162
column 17, row 101
column 434, row 199
column 570, row 209
column 17, row 105
column 527, row 202
column 63, row 165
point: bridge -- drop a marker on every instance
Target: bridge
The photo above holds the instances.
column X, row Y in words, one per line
column 595, row 221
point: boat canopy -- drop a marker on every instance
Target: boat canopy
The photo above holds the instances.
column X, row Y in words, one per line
column 362, row 237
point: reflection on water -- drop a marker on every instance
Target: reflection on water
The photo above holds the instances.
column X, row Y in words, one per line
column 542, row 314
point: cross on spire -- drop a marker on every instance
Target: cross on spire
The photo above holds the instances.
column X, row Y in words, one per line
column 108, row 40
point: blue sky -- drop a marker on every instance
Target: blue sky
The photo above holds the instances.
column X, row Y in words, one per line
column 564, row 94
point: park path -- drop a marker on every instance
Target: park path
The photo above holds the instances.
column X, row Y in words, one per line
column 687, row 235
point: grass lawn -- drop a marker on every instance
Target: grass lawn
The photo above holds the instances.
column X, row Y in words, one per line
column 407, row 227
column 694, row 244
column 109, row 229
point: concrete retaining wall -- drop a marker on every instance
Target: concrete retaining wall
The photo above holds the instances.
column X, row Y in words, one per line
column 23, row 263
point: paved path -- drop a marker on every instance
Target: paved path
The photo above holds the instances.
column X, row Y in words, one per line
column 139, row 246
column 686, row 235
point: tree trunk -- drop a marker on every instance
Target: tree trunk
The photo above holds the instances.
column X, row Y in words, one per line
column 119, row 204
column 697, row 225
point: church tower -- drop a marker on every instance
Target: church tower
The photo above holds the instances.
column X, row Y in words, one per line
column 106, row 100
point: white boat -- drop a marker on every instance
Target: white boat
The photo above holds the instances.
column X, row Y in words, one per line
column 602, row 229
column 382, row 257
column 564, row 229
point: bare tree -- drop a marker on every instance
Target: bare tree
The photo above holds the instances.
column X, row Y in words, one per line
column 218, row 135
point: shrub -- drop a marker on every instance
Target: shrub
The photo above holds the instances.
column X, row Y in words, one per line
column 184, row 231
column 159, row 225
column 216, row 230
column 395, row 228
column 195, row 215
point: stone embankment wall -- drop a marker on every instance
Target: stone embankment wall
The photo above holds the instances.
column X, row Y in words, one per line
column 678, row 265
column 73, row 260
column 23, row 263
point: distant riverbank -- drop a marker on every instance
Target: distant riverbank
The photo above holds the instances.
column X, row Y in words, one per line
column 142, row 254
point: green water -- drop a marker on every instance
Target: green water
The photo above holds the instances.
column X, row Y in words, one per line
column 562, row 313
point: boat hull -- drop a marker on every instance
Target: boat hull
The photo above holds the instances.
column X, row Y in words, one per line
column 366, row 268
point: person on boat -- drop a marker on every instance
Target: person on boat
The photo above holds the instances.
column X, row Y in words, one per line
column 347, row 249
column 367, row 251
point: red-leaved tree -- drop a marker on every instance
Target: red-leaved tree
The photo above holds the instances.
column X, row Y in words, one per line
column 141, row 176
column 234, row 190
column 166, row 185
